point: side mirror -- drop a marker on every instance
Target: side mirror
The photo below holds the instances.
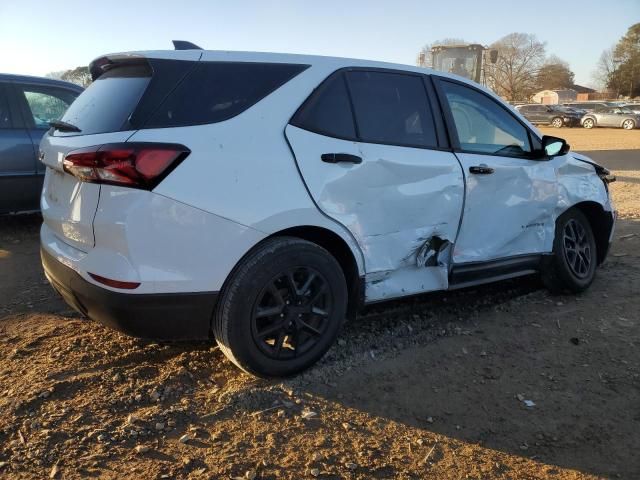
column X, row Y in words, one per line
column 554, row 146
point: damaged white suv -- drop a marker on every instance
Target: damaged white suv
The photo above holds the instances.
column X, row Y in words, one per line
column 263, row 198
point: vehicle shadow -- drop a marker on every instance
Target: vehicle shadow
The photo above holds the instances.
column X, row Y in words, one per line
column 514, row 369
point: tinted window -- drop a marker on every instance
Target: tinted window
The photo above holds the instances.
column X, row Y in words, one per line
column 46, row 104
column 526, row 109
column 328, row 110
column 105, row 106
column 5, row 115
column 217, row 91
column 392, row 108
column 483, row 125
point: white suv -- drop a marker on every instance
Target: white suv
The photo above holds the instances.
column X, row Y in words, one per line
column 263, row 198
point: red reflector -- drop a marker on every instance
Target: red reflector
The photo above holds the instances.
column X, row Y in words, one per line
column 138, row 165
column 114, row 283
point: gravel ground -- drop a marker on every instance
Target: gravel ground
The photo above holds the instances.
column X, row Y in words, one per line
column 503, row 381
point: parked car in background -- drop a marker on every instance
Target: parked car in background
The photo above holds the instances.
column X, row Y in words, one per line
column 27, row 105
column 633, row 106
column 554, row 115
column 618, row 117
column 262, row 198
column 589, row 106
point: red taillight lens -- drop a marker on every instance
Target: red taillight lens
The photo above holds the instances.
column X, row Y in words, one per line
column 114, row 283
column 138, row 165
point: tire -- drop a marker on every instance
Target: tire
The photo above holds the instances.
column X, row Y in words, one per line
column 589, row 123
column 628, row 124
column 281, row 308
column 557, row 122
column 572, row 265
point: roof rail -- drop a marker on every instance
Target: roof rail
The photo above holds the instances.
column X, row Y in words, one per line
column 184, row 45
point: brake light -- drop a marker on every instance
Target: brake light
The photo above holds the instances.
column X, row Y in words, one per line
column 136, row 165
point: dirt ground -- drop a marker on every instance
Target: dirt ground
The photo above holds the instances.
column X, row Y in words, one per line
column 504, row 381
column 583, row 139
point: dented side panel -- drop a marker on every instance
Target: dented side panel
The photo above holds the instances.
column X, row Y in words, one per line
column 578, row 182
column 402, row 205
column 509, row 212
column 514, row 210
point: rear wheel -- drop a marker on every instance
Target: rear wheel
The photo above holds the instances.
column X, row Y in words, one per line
column 572, row 266
column 629, row 124
column 557, row 122
column 282, row 307
column 588, row 123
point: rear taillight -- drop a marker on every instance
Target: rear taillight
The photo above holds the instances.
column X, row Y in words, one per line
column 137, row 165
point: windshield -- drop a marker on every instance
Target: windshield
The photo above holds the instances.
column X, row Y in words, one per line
column 457, row 60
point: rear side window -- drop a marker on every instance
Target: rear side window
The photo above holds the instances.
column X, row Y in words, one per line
column 392, row 108
column 46, row 104
column 217, row 91
column 106, row 105
column 328, row 110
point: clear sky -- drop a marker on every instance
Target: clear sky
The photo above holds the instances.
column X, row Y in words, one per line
column 40, row 36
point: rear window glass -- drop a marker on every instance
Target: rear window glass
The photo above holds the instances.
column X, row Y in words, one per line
column 392, row 108
column 328, row 110
column 106, row 105
column 217, row 91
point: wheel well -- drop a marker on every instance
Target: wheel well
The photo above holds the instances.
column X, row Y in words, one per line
column 337, row 247
column 601, row 224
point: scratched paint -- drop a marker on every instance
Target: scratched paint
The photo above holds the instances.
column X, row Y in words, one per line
column 393, row 202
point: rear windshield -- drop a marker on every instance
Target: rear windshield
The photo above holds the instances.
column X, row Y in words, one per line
column 174, row 93
column 105, row 106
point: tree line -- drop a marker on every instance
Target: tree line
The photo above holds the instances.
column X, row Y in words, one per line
column 524, row 68
column 619, row 66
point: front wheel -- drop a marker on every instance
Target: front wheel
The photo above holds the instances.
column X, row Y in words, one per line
column 629, row 124
column 557, row 122
column 589, row 123
column 281, row 308
column 572, row 265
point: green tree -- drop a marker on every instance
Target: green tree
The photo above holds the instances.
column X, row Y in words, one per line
column 555, row 73
column 626, row 78
column 79, row 75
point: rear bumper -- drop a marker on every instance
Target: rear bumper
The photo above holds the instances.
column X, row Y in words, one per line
column 161, row 316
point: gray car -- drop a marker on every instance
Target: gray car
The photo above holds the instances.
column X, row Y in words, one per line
column 633, row 106
column 27, row 105
column 619, row 117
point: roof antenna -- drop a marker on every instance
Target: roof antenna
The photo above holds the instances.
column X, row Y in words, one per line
column 184, row 45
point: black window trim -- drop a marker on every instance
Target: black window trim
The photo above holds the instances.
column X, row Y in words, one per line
column 442, row 142
column 453, row 133
column 14, row 121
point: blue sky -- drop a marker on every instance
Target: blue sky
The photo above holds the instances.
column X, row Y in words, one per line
column 40, row 36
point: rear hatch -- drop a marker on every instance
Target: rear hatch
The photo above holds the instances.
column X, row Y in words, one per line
column 109, row 111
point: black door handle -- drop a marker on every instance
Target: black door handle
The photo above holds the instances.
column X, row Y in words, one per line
column 481, row 170
column 340, row 157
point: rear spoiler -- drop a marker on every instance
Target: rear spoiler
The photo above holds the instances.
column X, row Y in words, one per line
column 104, row 63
